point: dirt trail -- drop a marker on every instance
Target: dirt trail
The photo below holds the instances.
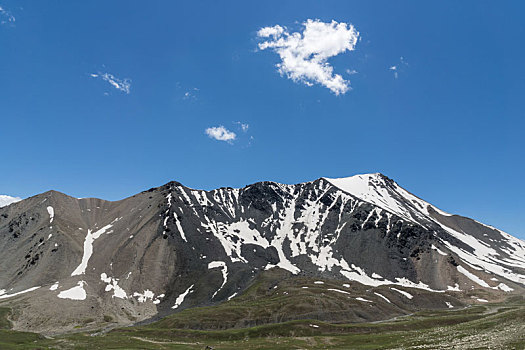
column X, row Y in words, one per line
column 163, row 342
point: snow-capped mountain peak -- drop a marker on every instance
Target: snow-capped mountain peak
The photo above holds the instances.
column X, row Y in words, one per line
column 384, row 192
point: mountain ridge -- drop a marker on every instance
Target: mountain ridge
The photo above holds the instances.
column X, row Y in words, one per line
column 172, row 247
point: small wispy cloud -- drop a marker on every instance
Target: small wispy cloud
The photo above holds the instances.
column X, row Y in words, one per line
column 6, row 17
column 6, row 200
column 190, row 94
column 123, row 85
column 244, row 126
column 398, row 67
column 351, row 71
column 220, row 133
column 304, row 55
column 394, row 69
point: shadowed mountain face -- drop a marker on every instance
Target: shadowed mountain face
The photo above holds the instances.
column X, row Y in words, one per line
column 65, row 260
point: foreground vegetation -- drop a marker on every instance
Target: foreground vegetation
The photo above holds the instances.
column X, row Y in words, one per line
column 496, row 326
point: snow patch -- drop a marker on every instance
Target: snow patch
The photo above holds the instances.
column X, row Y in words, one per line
column 112, row 284
column 179, row 227
column 472, row 277
column 88, row 247
column 51, row 212
column 180, row 298
column 143, row 297
column 438, row 250
column 224, row 269
column 363, row 299
column 504, row 287
column 338, row 290
column 75, row 293
column 382, row 296
column 3, row 295
column 406, row 294
column 454, row 289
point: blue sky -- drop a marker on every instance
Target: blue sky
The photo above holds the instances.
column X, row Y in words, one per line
column 447, row 124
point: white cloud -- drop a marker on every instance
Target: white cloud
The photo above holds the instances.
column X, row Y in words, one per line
column 304, row 55
column 123, row 85
column 274, row 31
column 220, row 133
column 6, row 200
column 6, row 17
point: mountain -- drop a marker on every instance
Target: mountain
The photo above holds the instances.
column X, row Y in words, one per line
column 371, row 249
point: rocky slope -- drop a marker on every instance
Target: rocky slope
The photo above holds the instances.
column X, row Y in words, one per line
column 67, row 260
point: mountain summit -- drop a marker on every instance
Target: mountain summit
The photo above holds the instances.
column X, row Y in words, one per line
column 65, row 260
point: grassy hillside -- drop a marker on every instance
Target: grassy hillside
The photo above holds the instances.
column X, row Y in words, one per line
column 499, row 326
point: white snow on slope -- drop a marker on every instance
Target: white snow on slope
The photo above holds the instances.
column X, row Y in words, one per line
column 438, row 250
column 517, row 251
column 406, row 294
column 454, row 289
column 338, row 291
column 473, row 277
column 233, row 236
column 298, row 229
column 372, row 188
column 363, row 299
column 157, row 300
column 165, row 222
column 112, row 284
column 75, row 293
column 88, row 247
column 179, row 227
column 54, row 286
column 483, row 257
column 6, row 200
column 169, row 197
column 382, row 296
column 232, row 296
column 51, row 212
column 144, row 296
column 504, row 287
column 5, row 296
column 224, row 269
column 180, row 298
column 302, row 241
